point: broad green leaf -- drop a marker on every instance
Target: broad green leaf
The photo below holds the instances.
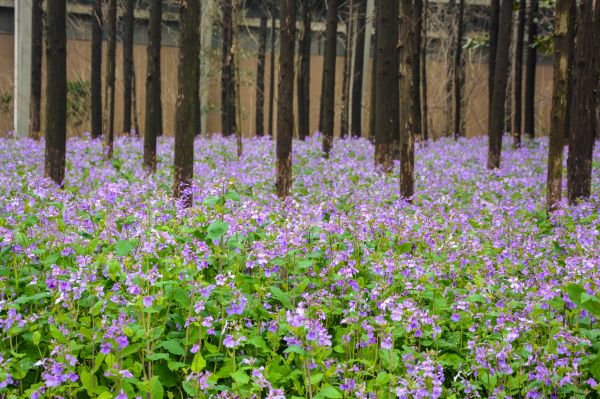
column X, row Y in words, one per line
column 216, row 230
column 330, row 392
column 281, row 296
column 172, row 346
column 198, row 363
column 240, row 377
column 316, row 378
column 124, row 247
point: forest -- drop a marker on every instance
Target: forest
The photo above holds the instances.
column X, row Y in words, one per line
column 312, row 199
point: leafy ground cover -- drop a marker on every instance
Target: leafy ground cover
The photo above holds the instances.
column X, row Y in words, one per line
column 109, row 289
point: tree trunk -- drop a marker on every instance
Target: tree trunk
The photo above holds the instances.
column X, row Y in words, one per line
column 451, row 73
column 128, row 26
column 185, row 118
column 260, row 70
column 96, row 78
column 416, row 65
column 304, row 73
column 496, row 125
column 424, row 118
column 493, row 49
column 153, row 121
column 563, row 41
column 37, row 33
column 348, row 53
column 56, row 91
column 583, row 108
column 228, row 119
column 374, row 68
column 328, row 93
column 272, row 70
column 458, row 67
column 409, row 90
column 285, row 109
column 111, row 64
column 518, row 77
column 387, row 85
column 359, row 63
column 136, row 125
column 237, row 104
column 197, row 95
column 530, row 69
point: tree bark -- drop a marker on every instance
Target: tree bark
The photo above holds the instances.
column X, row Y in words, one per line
column 458, row 68
column 228, row 117
column 451, row 72
column 56, row 91
column 304, row 73
column 493, row 48
column 416, row 65
column 530, row 69
column 111, row 64
column 128, row 26
column 189, row 50
column 153, row 121
column 425, row 107
column 285, row 109
column 357, row 75
column 260, row 70
column 387, row 85
column 518, row 77
column 96, row 76
column 583, row 108
column 409, row 90
column 272, row 70
column 197, row 95
column 496, row 125
column 37, row 33
column 348, row 54
column 374, row 68
column 328, row 93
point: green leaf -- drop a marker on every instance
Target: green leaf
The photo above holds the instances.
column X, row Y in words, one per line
column 124, row 247
column 281, row 296
column 316, row 378
column 36, row 337
column 590, row 303
column 594, row 368
column 216, row 230
column 330, row 392
column 198, row 363
column 158, row 356
column 382, row 378
column 295, row 349
column 451, row 359
column 157, row 391
column 87, row 380
column 240, row 377
column 232, row 195
column 172, row 346
column 574, row 292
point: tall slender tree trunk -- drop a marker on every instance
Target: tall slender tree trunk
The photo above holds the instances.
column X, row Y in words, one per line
column 260, row 70
column 56, row 91
column 583, row 107
column 328, row 93
column 496, row 126
column 111, row 64
column 136, row 125
column 563, row 42
column 37, row 34
column 409, row 90
column 272, row 70
column 285, row 109
column 96, row 76
column 237, row 105
column 128, row 26
column 387, row 85
column 451, row 73
column 423, row 55
column 357, row 75
column 197, row 94
column 304, row 73
column 458, row 67
column 374, row 69
column 348, row 54
column 416, row 66
column 153, row 121
column 228, row 109
column 493, row 48
column 530, row 68
column 518, row 77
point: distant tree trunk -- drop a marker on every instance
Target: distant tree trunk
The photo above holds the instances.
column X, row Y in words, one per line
column 518, row 77
column 348, row 53
column 451, row 73
column 408, row 88
column 563, row 42
column 56, row 91
column 185, row 118
column 228, row 109
column 304, row 73
column 153, row 121
column 96, row 78
column 416, row 66
column 197, row 96
column 458, row 67
column 374, row 69
column 387, row 85
column 496, row 125
column 493, row 48
column 425, row 121
column 583, row 107
column 328, row 93
column 111, row 60
column 37, row 34
column 260, row 70
column 237, row 104
column 357, row 75
column 128, row 22
column 272, row 70
column 136, row 125
column 530, row 68
column 285, row 109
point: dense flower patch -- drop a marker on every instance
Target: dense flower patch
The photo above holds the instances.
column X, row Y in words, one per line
column 110, row 290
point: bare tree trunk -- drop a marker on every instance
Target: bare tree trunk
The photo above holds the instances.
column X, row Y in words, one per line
column 387, row 85
column 128, row 26
column 260, row 70
column 496, row 125
column 425, row 121
column 96, row 77
column 357, row 75
column 458, row 67
column 153, row 121
column 518, row 77
column 197, row 95
column 563, row 41
column 185, row 118
column 583, row 107
column 348, row 54
column 285, row 109
column 530, row 69
column 136, row 125
column 374, row 69
column 228, row 109
column 408, row 89
column 451, row 73
column 37, row 33
column 111, row 59
column 272, row 71
column 56, row 91
column 237, row 105
column 494, row 22
column 416, row 65
column 328, row 93
column 304, row 73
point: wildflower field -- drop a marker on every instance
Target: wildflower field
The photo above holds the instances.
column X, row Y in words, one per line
column 109, row 289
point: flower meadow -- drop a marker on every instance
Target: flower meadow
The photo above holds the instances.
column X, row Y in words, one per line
column 110, row 289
